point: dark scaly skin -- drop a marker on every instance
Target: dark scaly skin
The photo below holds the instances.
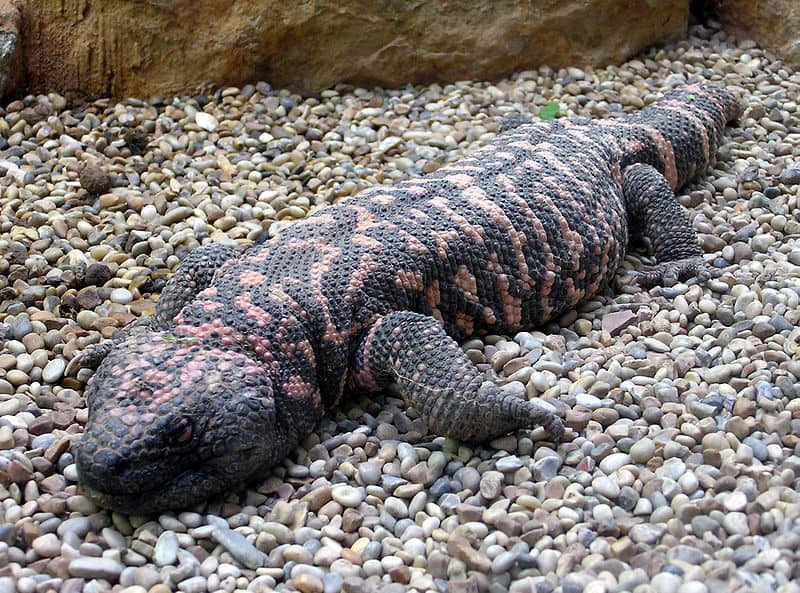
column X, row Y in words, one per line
column 242, row 358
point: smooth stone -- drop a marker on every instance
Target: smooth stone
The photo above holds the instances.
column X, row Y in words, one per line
column 348, row 496
column 642, row 451
column 644, row 533
column 54, row 370
column 613, row 462
column 546, row 468
column 605, row 486
column 736, row 523
column 47, row 545
column 121, row 296
column 665, row 582
column 166, row 549
column 491, row 484
column 509, row 463
column 239, row 547
column 206, row 121
column 95, row 568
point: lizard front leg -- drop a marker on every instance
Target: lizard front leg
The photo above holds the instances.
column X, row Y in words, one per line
column 440, row 382
column 651, row 204
column 193, row 275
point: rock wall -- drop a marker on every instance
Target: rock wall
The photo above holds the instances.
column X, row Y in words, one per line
column 146, row 47
column 773, row 24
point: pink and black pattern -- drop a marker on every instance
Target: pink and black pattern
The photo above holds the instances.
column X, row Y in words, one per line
column 246, row 352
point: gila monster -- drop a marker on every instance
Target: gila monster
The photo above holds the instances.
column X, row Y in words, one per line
column 246, row 352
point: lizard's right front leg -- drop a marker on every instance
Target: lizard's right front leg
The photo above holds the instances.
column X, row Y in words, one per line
column 440, row 382
column 194, row 274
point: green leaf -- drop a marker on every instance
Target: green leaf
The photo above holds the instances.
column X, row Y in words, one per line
column 549, row 111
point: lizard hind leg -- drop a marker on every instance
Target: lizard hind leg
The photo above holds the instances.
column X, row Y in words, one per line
column 440, row 382
column 651, row 205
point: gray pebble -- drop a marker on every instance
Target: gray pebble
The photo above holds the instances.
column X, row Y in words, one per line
column 239, row 547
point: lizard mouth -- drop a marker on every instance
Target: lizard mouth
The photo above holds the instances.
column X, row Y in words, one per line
column 190, row 486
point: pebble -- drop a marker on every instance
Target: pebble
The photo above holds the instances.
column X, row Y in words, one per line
column 166, row 549
column 206, row 121
column 677, row 477
column 613, row 462
column 238, row 546
column 348, row 496
column 606, row 487
column 47, row 545
column 95, row 568
column 642, row 451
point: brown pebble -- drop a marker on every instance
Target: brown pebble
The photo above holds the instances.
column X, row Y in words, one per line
column 18, row 472
column 41, row 425
column 605, row 416
column 95, row 180
column 616, row 321
column 135, row 138
column 400, row 574
column 351, row 556
column 460, row 548
column 53, row 484
column 351, row 520
column 307, row 583
column 577, row 419
column 468, row 512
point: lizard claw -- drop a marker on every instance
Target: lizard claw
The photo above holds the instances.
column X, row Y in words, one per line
column 554, row 427
column 90, row 357
column 672, row 272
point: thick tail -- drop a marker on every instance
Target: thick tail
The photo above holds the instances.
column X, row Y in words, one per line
column 679, row 135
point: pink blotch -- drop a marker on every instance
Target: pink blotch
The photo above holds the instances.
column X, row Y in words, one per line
column 460, row 180
column 296, row 388
column 366, row 241
column 474, row 193
column 382, row 199
column 251, row 311
column 156, row 376
column 210, row 306
column 252, row 278
column 261, row 346
column 208, row 293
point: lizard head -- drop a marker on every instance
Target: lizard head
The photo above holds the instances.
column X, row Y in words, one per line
column 173, row 421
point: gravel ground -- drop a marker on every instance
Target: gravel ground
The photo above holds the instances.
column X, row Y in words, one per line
column 685, row 472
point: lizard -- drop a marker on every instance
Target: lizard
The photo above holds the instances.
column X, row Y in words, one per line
column 245, row 352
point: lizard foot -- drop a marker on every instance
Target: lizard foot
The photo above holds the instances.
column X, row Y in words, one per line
column 551, row 423
column 668, row 273
column 555, row 428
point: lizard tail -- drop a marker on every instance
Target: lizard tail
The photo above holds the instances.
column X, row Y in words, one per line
column 679, row 134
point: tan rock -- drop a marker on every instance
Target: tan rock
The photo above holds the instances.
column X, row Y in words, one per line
column 143, row 48
column 10, row 55
column 773, row 24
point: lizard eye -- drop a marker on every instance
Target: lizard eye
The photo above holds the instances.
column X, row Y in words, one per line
column 182, row 432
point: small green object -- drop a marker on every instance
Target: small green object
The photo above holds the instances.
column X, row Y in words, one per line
column 690, row 97
column 549, row 111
